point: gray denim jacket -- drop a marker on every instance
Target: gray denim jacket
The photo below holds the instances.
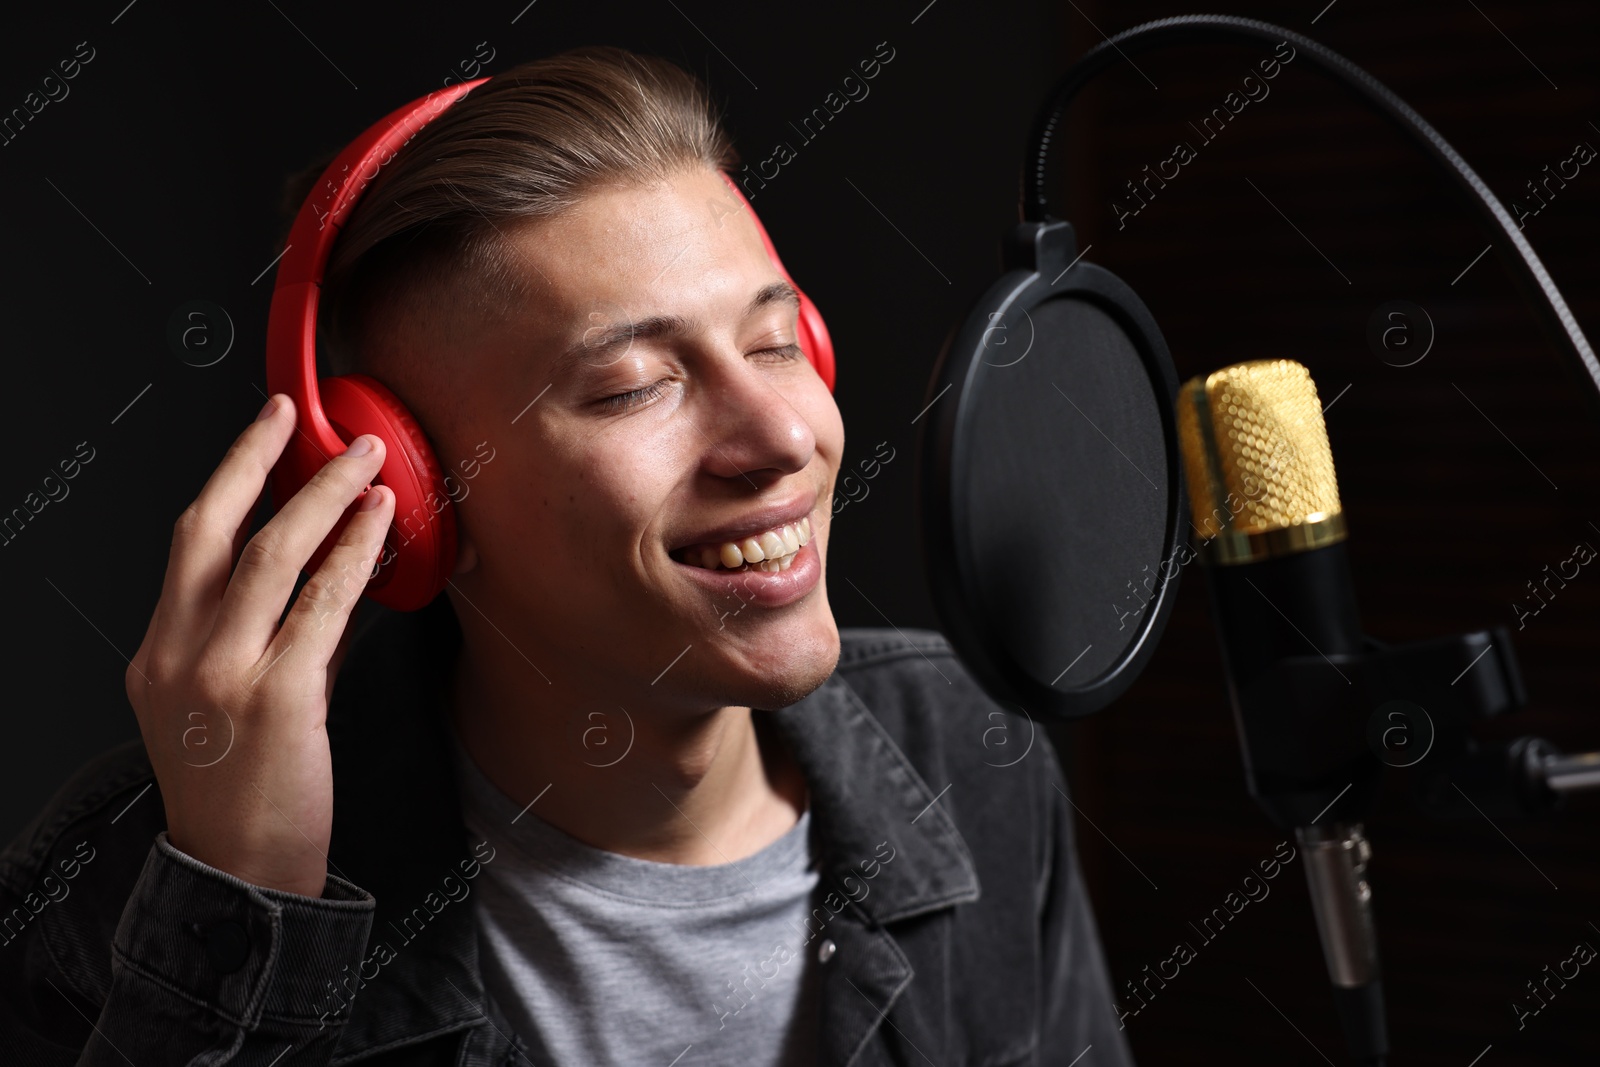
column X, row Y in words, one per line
column 974, row 945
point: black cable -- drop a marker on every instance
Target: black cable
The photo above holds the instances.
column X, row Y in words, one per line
column 1534, row 280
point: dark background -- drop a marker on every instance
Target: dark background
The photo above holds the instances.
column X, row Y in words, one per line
column 156, row 182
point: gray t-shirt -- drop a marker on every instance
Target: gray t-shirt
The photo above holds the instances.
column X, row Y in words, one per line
column 597, row 957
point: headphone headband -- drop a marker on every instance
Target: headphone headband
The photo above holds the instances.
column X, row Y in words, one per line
column 292, row 322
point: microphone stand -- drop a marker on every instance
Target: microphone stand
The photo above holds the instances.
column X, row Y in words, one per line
column 1546, row 768
column 1316, row 770
column 1336, row 859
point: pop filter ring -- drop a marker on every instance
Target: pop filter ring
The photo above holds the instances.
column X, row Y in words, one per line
column 1043, row 266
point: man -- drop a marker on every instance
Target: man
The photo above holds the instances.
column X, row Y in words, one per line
column 604, row 802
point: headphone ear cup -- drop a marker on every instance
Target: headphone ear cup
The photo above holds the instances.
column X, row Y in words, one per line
column 814, row 337
column 420, row 548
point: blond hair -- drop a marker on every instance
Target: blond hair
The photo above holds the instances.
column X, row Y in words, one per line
column 527, row 144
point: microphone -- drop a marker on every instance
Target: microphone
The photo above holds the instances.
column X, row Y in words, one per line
column 1265, row 505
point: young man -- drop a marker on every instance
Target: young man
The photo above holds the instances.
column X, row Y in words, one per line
column 598, row 804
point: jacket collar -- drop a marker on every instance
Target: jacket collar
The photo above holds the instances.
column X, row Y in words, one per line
column 397, row 829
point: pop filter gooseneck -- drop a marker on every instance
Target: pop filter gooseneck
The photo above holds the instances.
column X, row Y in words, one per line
column 1530, row 275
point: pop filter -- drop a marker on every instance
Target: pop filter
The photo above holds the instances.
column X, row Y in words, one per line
column 1048, row 481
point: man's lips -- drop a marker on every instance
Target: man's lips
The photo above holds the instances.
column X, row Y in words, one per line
column 752, row 523
column 749, row 587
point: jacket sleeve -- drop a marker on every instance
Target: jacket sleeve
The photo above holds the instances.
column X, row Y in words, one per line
column 204, row 968
column 1078, row 1010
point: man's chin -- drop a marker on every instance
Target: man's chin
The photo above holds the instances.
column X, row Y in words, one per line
column 781, row 673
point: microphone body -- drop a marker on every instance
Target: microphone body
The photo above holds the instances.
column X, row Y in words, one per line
column 1291, row 643
column 1266, row 506
column 1315, row 596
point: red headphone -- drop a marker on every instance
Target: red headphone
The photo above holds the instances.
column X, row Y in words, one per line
column 420, row 548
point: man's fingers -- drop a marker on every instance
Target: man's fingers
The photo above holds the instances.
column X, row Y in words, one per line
column 208, row 535
column 241, row 536
column 312, row 636
column 341, row 650
column 271, row 562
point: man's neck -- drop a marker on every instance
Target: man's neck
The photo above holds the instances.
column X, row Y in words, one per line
column 696, row 790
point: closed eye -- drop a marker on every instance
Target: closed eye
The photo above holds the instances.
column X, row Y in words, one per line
column 623, row 401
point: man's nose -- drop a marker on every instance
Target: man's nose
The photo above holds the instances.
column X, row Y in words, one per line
column 750, row 425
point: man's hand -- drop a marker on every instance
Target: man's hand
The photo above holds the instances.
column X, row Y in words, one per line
column 216, row 673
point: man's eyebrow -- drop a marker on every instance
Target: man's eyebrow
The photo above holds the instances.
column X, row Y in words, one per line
column 771, row 294
column 597, row 340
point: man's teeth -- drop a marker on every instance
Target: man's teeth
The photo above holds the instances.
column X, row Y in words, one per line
column 773, row 550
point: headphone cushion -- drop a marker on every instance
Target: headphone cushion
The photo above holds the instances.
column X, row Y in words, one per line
column 422, row 539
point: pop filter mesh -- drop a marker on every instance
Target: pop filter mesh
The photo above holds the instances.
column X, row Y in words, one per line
column 1067, row 489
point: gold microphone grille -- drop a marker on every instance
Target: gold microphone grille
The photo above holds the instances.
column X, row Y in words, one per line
column 1256, row 454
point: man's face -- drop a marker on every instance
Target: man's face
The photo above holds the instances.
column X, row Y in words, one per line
column 650, row 397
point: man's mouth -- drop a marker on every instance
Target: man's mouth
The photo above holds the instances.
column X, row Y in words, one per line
column 770, row 550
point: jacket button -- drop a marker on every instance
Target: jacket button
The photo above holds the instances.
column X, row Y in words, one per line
column 826, row 950
column 227, row 946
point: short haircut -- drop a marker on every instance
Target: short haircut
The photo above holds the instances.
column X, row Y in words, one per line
column 429, row 233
